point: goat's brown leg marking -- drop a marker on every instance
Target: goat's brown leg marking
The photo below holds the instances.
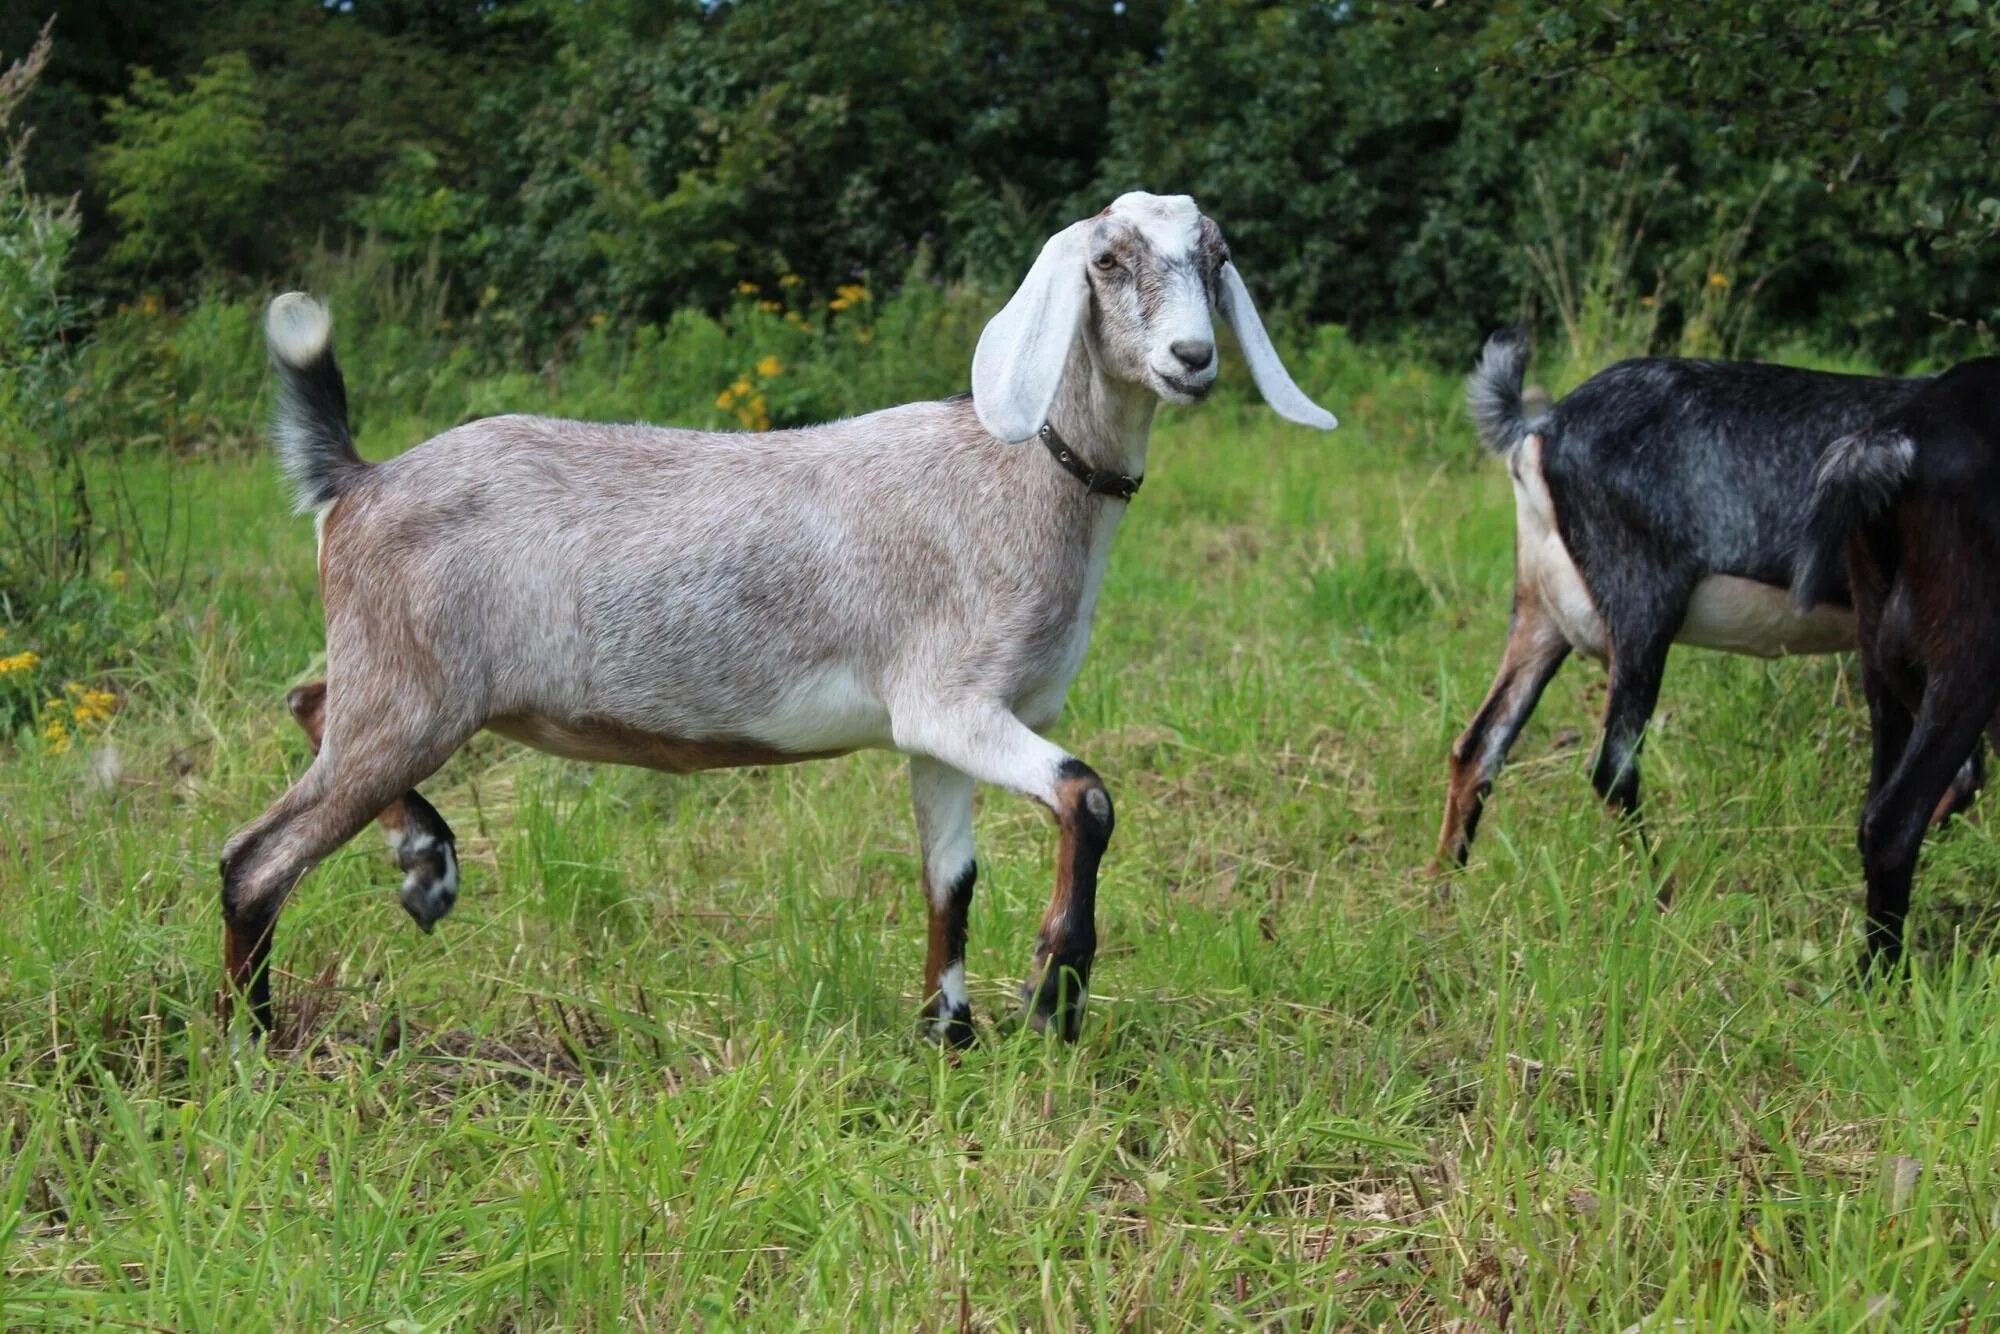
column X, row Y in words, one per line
column 373, row 757
column 426, row 849
column 950, row 909
column 1059, row 981
column 1535, row 649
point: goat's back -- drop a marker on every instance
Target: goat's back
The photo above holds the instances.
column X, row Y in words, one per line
column 687, row 582
column 1701, row 466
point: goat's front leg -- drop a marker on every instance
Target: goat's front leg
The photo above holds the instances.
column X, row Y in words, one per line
column 943, row 799
column 425, row 848
column 1638, row 665
column 993, row 746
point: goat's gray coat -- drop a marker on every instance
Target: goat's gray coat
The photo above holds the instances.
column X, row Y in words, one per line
column 909, row 579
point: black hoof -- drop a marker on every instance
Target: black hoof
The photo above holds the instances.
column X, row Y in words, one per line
column 953, row 1030
column 1056, row 1002
column 430, row 885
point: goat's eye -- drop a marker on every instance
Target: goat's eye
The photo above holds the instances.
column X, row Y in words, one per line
column 1106, row 262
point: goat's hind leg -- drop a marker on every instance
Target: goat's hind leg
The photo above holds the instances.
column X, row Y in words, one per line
column 370, row 759
column 1964, row 789
column 425, row 848
column 1535, row 649
column 1958, row 704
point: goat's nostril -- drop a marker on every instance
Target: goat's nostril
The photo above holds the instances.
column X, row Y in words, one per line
column 1195, row 356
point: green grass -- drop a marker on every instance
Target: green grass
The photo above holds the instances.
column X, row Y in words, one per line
column 661, row 1068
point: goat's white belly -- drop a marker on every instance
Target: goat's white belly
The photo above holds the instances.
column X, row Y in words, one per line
column 1726, row 612
column 827, row 709
column 1740, row 615
column 1546, row 569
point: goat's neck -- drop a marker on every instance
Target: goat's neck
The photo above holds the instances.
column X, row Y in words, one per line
column 1106, row 421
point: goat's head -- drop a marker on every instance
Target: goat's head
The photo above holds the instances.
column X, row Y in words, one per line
column 1140, row 283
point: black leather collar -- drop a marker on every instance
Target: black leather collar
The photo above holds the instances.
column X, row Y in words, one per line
column 1098, row 481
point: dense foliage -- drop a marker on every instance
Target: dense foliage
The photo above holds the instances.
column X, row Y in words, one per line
column 1393, row 167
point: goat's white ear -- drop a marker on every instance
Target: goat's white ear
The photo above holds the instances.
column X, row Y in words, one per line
column 1018, row 365
column 1273, row 380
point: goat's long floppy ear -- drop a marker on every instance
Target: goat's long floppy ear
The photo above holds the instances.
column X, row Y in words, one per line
column 1018, row 365
column 1273, row 380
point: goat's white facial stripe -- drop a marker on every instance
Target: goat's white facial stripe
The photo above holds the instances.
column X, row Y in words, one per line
column 1170, row 224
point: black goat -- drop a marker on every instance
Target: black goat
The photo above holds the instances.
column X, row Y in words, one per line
column 1660, row 503
column 1906, row 512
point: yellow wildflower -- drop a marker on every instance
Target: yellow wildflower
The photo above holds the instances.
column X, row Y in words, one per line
column 725, row 398
column 839, row 303
column 742, row 387
column 790, row 280
column 769, row 366
column 89, row 707
column 599, row 320
column 864, row 336
column 116, row 579
column 56, row 736
column 150, row 304
column 24, row 661
column 1648, row 302
column 771, row 307
column 746, row 288
column 1718, row 280
column 754, row 414
column 851, row 293
column 796, row 320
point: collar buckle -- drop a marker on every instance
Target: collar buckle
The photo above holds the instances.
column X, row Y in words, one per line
column 1097, row 481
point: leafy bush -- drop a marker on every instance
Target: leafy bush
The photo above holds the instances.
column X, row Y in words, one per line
column 61, row 625
column 189, row 171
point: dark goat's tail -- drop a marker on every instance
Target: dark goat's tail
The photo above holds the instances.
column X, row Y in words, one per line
column 315, row 447
column 1858, row 477
column 1493, row 390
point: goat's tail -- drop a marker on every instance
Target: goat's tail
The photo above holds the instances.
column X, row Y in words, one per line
column 1493, row 390
column 315, row 447
column 1858, row 477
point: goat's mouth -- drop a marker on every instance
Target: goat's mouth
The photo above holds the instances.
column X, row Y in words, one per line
column 1183, row 391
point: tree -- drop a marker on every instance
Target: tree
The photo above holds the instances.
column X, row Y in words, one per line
column 189, row 172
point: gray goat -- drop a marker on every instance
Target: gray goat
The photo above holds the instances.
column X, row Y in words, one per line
column 912, row 580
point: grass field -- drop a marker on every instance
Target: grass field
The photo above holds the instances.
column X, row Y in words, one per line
column 661, row 1066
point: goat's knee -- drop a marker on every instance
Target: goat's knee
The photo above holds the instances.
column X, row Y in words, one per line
column 1059, row 983
column 1084, row 803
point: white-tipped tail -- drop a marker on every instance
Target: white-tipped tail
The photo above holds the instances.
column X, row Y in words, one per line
column 1493, row 391
column 298, row 329
column 309, row 428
